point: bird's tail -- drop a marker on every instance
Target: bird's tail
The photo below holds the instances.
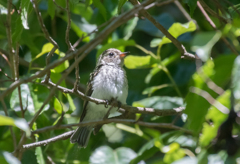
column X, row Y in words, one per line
column 81, row 136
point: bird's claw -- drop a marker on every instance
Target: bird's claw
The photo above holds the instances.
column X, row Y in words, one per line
column 107, row 103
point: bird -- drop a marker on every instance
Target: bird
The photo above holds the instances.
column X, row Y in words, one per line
column 109, row 82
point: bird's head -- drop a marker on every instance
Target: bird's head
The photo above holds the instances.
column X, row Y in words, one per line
column 112, row 56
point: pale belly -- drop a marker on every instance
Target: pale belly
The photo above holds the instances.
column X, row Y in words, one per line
column 107, row 85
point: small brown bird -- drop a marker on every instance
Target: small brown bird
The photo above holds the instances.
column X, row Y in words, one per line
column 108, row 81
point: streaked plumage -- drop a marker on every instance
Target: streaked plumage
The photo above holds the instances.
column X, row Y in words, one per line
column 107, row 81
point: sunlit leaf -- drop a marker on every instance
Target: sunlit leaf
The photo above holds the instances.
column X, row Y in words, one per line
column 203, row 42
column 130, row 26
column 39, row 154
column 209, row 132
column 58, row 106
column 135, row 62
column 60, row 68
column 20, row 123
column 175, row 30
column 219, row 71
column 24, row 13
column 160, row 102
column 112, row 133
column 8, row 158
column 27, row 100
column 45, row 49
column 236, row 80
column 192, row 160
column 105, row 154
column 174, row 153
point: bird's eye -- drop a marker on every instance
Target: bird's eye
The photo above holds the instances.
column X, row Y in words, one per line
column 111, row 54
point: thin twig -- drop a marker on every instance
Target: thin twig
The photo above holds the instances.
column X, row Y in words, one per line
column 85, row 49
column 215, row 28
column 68, row 134
column 11, row 129
column 213, row 13
column 46, row 34
column 162, row 29
column 9, row 37
column 70, row 47
column 160, row 112
column 60, row 7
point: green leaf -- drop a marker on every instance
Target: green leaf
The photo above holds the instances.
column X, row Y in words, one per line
column 105, row 154
column 101, row 8
column 120, row 5
column 130, row 26
column 115, row 44
column 20, row 123
column 192, row 5
column 236, row 80
column 209, row 132
column 51, row 9
column 8, row 158
column 27, row 100
column 45, row 49
column 60, row 68
column 17, row 31
column 79, row 27
column 203, row 42
column 81, row 9
column 38, row 94
column 151, row 90
column 160, row 102
column 219, row 71
column 21, row 21
column 58, row 106
column 88, row 2
column 192, row 160
column 176, row 30
column 70, row 101
column 3, row 9
column 24, row 13
column 39, row 155
column 135, row 62
column 113, row 134
column 174, row 153
column 158, row 68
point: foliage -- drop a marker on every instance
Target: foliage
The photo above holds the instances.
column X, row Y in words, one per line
column 161, row 78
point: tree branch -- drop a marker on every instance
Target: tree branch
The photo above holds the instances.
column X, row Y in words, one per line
column 179, row 46
column 68, row 134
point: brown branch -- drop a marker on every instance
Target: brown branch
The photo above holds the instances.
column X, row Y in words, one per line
column 179, row 46
column 60, row 7
column 9, row 36
column 68, row 134
column 63, row 136
column 85, row 49
column 70, row 47
column 213, row 13
column 215, row 28
column 46, row 34
column 159, row 112
column 11, row 129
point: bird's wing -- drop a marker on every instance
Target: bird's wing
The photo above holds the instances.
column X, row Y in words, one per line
column 89, row 90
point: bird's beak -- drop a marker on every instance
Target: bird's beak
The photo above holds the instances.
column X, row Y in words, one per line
column 123, row 54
